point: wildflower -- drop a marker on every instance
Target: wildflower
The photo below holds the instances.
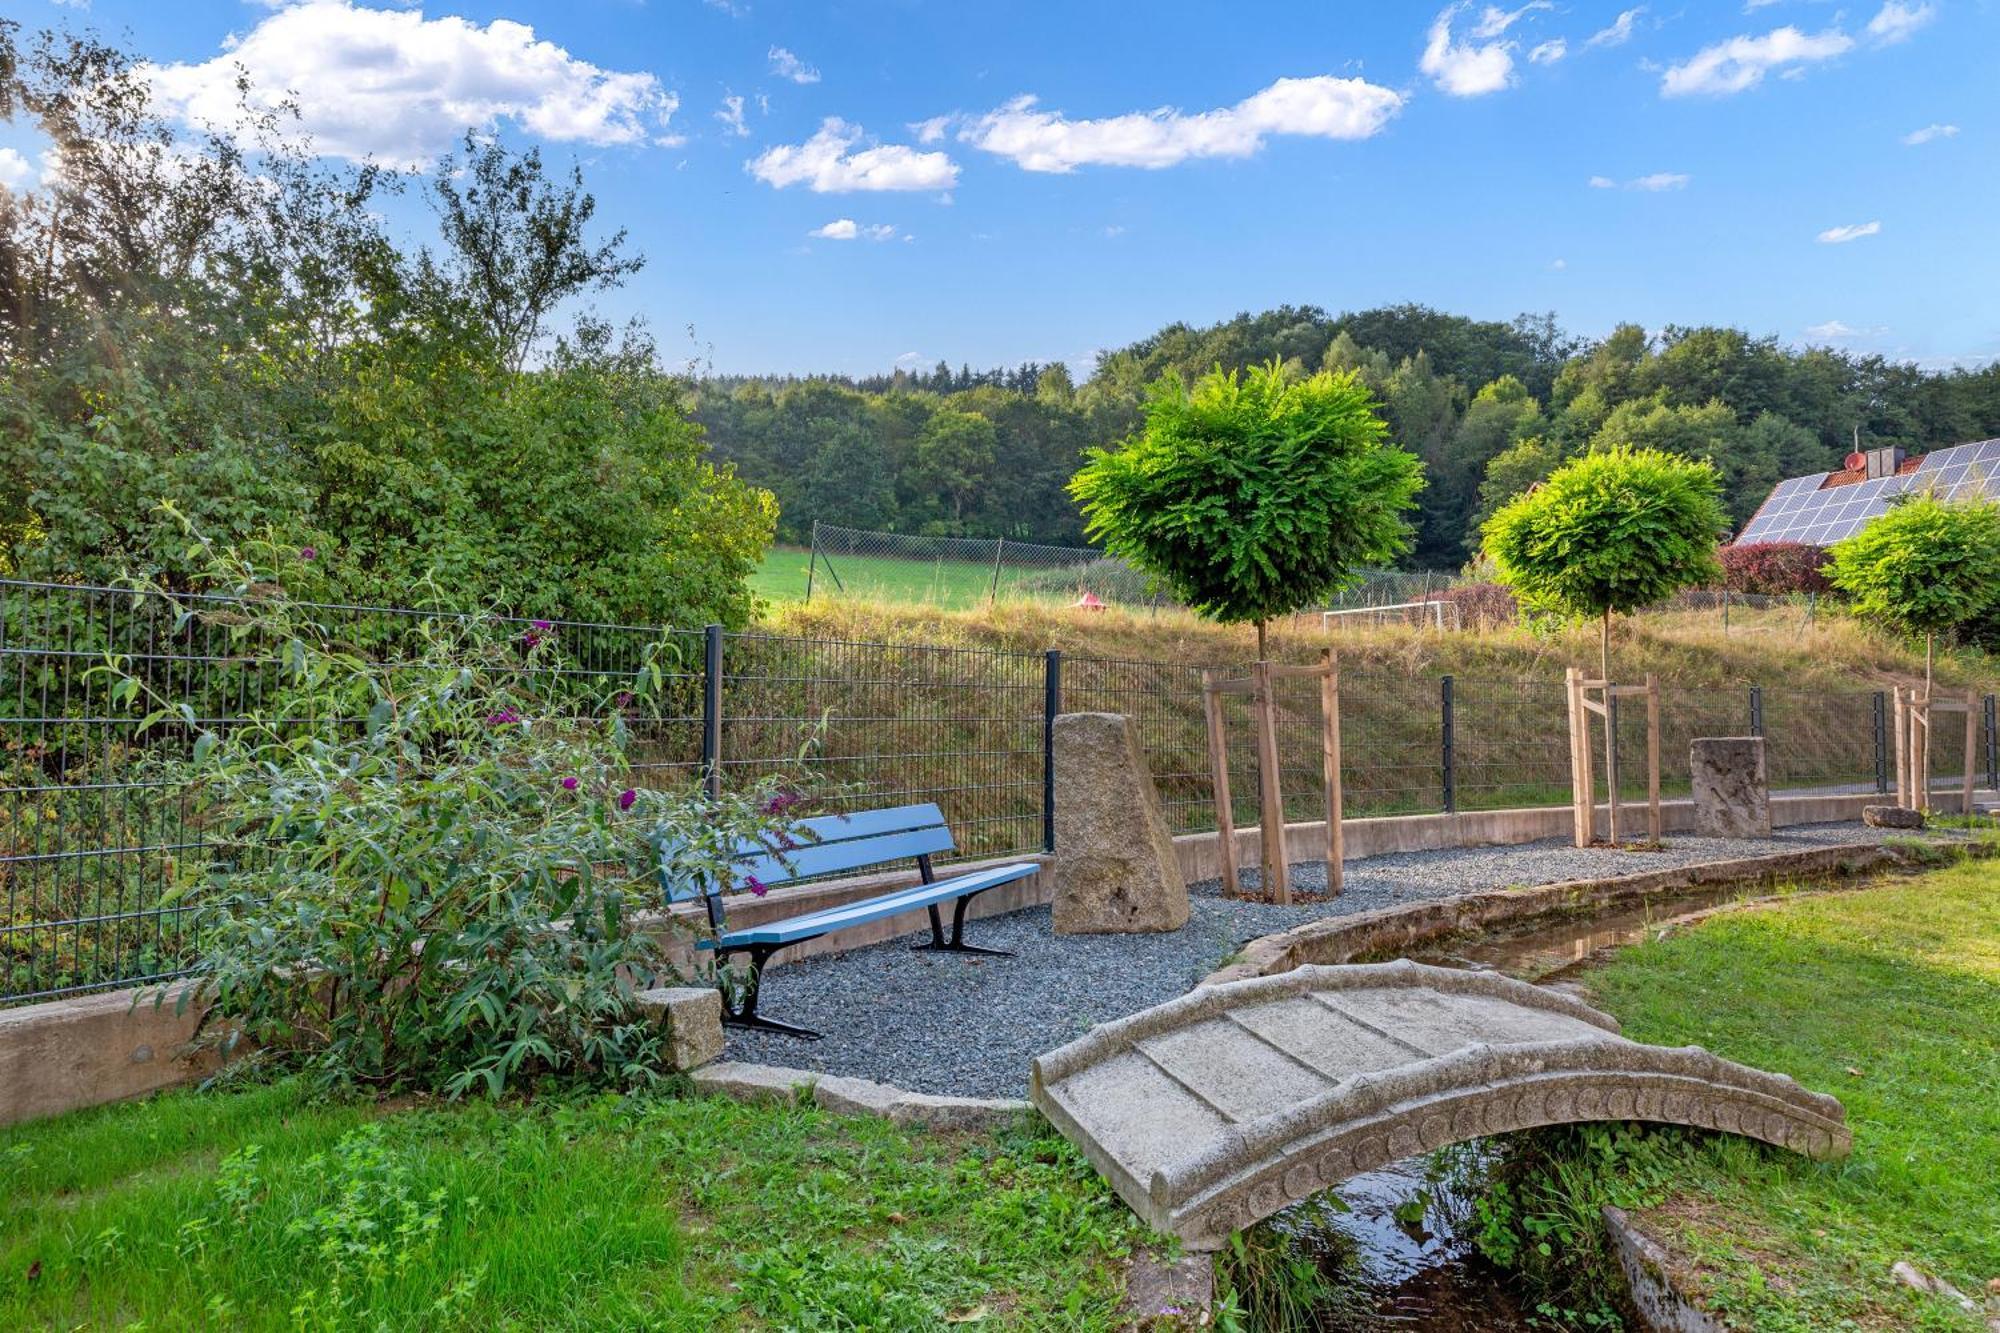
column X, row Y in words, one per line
column 626, row 797
column 308, row 553
column 505, row 717
column 569, row 784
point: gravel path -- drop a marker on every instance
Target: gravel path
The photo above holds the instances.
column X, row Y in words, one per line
column 968, row 1025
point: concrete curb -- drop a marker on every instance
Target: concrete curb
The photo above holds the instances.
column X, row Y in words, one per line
column 745, row 1082
column 1656, row 1290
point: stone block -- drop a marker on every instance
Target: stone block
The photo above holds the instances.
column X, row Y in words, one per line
column 1115, row 865
column 692, row 1017
column 1891, row 816
column 1732, row 787
column 854, row 1096
column 745, row 1082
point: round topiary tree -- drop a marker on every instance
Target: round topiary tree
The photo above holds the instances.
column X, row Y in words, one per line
column 1253, row 496
column 1928, row 567
column 1608, row 533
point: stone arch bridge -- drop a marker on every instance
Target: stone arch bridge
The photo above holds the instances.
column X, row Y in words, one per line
column 1215, row 1110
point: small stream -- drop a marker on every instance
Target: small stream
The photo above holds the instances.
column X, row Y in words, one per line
column 1401, row 1238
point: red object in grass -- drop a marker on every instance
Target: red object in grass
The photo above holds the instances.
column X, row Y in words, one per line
column 1089, row 602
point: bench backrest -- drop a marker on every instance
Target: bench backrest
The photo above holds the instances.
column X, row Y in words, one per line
column 827, row 845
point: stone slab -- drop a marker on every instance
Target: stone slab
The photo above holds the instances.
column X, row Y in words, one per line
column 1732, row 787
column 1892, row 816
column 976, row 1114
column 745, row 1082
column 1115, row 865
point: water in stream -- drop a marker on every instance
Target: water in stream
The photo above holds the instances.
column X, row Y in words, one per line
column 1401, row 1237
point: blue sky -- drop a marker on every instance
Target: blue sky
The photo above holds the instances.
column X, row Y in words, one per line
column 1821, row 172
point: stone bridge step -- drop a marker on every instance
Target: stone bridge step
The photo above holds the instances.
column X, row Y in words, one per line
column 1215, row 1110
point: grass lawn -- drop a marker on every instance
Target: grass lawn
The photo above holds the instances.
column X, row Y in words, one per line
column 955, row 585
column 265, row 1209
column 1889, row 998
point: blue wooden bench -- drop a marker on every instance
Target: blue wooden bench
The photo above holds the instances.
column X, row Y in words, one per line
column 830, row 844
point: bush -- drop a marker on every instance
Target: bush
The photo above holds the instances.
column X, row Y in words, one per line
column 1482, row 604
column 1775, row 569
column 426, row 871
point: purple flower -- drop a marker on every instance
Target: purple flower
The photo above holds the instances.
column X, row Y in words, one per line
column 755, row 885
column 626, row 797
column 778, row 802
column 542, row 624
column 623, row 699
column 569, row 784
column 505, row 717
column 308, row 553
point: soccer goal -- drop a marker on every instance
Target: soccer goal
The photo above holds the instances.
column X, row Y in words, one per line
column 1432, row 614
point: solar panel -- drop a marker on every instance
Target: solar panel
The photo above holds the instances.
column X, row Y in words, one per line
column 1806, row 509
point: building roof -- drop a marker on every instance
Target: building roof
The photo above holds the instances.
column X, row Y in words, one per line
column 1824, row 507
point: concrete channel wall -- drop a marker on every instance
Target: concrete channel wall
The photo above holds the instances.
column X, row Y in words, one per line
column 87, row 1050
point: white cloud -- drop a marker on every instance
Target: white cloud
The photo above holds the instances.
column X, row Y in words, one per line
column 1465, row 69
column 1895, row 21
column 1928, row 133
column 14, row 169
column 1547, row 53
column 1114, row 231
column 932, row 130
column 732, row 116
column 1558, row 265
column 1619, row 32
column 1321, row 107
column 1838, row 329
column 1656, row 182
column 397, row 87
column 1742, row 62
column 827, row 163
column 788, row 66
column 847, row 229
column 1852, row 232
column 1494, row 22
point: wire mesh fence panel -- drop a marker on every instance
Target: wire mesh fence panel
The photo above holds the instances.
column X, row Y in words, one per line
column 97, row 822
column 1392, row 743
column 1510, row 743
column 964, row 571
column 888, row 724
column 1165, row 700
column 1819, row 740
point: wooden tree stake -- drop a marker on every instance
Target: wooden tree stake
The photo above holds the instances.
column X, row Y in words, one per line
column 1271, row 817
column 1218, row 758
column 1329, row 707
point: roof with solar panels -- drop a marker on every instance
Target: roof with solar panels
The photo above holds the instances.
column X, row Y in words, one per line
column 1826, row 506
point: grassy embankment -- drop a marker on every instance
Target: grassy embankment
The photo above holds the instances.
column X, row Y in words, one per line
column 1888, row 997
column 260, row 1209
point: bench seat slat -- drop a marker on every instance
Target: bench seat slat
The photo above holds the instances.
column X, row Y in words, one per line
column 869, row 823
column 914, row 898
column 825, row 858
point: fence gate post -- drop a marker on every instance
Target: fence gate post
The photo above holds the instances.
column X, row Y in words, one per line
column 1882, row 741
column 1756, row 710
column 1449, row 732
column 1051, row 705
column 813, row 562
column 711, row 710
column 1992, row 746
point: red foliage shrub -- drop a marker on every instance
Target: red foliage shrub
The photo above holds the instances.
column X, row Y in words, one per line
column 1776, row 568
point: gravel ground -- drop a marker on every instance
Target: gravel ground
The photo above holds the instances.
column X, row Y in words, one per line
column 968, row 1025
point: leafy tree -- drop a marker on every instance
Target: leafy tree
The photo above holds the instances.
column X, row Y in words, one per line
column 1509, row 473
column 1928, row 566
column 1609, row 533
column 1776, row 568
column 954, row 454
column 1254, row 495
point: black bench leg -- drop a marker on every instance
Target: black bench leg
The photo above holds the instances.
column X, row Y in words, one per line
column 956, row 944
column 742, row 1013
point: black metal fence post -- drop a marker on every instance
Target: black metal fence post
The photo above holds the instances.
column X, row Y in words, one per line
column 1881, row 720
column 1992, row 745
column 1756, row 710
column 1449, row 732
column 711, row 710
column 1051, row 705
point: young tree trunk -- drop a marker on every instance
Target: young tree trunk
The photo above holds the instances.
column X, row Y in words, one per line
column 1604, row 648
column 1260, row 641
column 1930, row 663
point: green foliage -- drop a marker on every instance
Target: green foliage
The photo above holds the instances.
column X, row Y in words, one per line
column 1251, row 496
column 248, row 348
column 1925, row 567
column 1609, row 533
column 427, row 868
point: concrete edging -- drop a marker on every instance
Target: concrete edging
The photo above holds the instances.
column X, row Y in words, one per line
column 745, row 1082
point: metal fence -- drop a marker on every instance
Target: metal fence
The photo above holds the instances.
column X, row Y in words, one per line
column 965, row 571
column 92, row 834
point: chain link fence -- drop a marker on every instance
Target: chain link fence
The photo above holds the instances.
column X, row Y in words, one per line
column 965, row 571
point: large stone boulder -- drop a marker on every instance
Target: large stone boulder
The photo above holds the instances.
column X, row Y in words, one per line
column 1891, row 816
column 1115, row 866
column 1732, row 789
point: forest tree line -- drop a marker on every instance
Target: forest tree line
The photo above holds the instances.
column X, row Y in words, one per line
column 1490, row 407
